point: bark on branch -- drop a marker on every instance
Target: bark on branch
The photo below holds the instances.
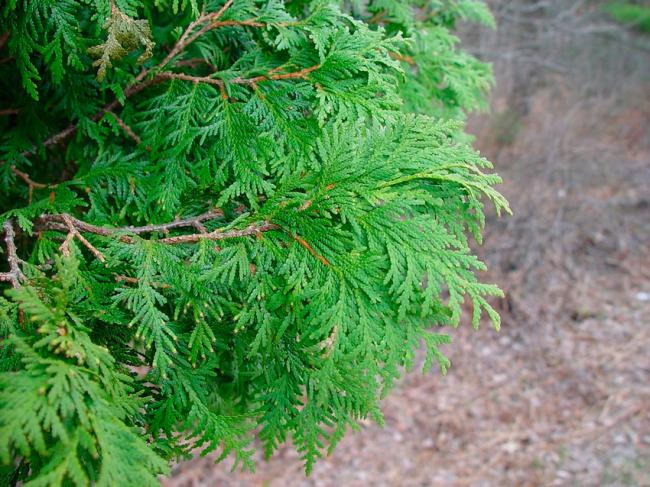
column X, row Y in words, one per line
column 15, row 275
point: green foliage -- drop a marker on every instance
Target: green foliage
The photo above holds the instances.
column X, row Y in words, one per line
column 242, row 225
column 631, row 14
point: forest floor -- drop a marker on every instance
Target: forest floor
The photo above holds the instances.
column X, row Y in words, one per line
column 561, row 395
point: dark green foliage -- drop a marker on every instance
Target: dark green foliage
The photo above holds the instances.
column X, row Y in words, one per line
column 242, row 224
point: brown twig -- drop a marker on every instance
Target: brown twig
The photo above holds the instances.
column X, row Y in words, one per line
column 253, row 229
column 4, row 38
column 402, row 57
column 187, row 37
column 129, row 131
column 32, row 185
column 310, row 249
column 58, row 222
column 377, row 18
column 302, row 74
column 74, row 227
column 137, row 86
column 194, row 62
column 15, row 275
column 134, row 280
column 8, row 111
column 74, row 233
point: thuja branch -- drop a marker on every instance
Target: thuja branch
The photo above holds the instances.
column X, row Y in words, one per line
column 140, row 82
column 205, row 23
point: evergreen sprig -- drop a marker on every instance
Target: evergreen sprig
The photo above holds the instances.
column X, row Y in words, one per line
column 241, row 226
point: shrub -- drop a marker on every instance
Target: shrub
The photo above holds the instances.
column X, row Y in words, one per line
column 226, row 221
column 630, row 14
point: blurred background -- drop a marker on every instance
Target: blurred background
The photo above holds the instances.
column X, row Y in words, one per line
column 561, row 395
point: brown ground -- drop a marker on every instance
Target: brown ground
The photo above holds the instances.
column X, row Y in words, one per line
column 561, row 396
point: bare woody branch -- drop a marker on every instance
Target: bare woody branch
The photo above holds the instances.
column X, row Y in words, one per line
column 302, row 74
column 253, row 229
column 31, row 185
column 74, row 233
column 60, row 223
column 15, row 275
column 75, row 227
column 122, row 124
column 4, row 38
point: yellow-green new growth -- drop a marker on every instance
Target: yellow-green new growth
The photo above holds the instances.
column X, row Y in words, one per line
column 125, row 35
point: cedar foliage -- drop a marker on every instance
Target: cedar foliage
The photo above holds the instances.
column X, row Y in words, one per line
column 226, row 220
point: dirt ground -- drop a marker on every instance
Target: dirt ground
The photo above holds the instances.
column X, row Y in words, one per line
column 561, row 395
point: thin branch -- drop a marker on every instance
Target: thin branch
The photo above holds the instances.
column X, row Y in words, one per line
column 217, row 15
column 302, row 74
column 4, row 38
column 134, row 280
column 136, row 87
column 15, row 275
column 309, row 248
column 129, row 131
column 65, row 246
column 58, row 222
column 8, row 111
column 402, row 57
column 187, row 37
column 377, row 18
column 189, row 77
column 194, row 62
column 74, row 227
column 32, row 185
column 224, row 23
column 73, row 232
column 253, row 229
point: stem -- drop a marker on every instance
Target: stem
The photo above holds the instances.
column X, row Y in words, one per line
column 65, row 247
column 74, row 226
column 302, row 74
column 253, row 229
column 58, row 222
column 129, row 131
column 15, row 275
